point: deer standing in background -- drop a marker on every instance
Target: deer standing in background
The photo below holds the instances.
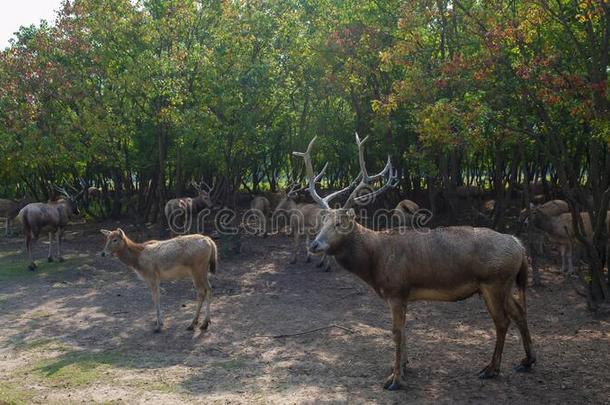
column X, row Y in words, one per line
column 180, row 212
column 188, row 256
column 444, row 264
column 303, row 218
column 555, row 220
column 51, row 217
column 261, row 207
column 9, row 209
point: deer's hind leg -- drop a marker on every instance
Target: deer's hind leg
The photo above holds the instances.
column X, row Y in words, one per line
column 50, row 256
column 204, row 293
column 29, row 239
column 59, row 235
column 496, row 297
column 517, row 315
column 155, row 291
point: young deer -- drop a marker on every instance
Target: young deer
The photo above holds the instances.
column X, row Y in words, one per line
column 189, row 256
column 444, row 264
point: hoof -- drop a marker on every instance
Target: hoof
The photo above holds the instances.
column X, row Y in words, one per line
column 205, row 325
column 308, row 260
column 394, row 387
column 487, row 373
column 191, row 327
column 293, row 261
column 391, row 384
column 32, row 267
column 61, row 259
column 320, row 264
column 50, row 259
column 327, row 269
column 525, row 366
column 157, row 330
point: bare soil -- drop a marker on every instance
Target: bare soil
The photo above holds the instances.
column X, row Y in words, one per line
column 82, row 331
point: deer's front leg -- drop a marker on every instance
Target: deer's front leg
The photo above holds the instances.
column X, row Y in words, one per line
column 398, row 309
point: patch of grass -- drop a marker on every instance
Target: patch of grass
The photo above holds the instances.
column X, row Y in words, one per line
column 232, row 364
column 13, row 393
column 14, row 267
column 75, row 369
column 20, row 343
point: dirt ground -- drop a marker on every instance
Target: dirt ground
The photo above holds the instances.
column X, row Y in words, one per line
column 81, row 331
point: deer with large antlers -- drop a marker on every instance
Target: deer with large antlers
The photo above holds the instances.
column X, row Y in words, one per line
column 180, row 212
column 51, row 217
column 444, row 264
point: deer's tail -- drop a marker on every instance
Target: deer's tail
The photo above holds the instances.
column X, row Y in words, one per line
column 214, row 258
column 522, row 281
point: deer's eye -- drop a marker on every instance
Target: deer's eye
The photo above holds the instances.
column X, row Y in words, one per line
column 115, row 240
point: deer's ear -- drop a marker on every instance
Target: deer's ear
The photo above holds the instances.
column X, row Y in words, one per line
column 121, row 233
column 105, row 232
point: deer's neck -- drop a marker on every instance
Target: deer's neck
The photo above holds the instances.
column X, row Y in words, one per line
column 358, row 254
column 130, row 254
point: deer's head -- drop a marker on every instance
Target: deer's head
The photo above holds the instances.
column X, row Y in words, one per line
column 115, row 241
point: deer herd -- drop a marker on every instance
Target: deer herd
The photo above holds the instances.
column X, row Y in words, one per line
column 441, row 264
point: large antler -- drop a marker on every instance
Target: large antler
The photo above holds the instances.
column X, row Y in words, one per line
column 365, row 179
column 313, row 179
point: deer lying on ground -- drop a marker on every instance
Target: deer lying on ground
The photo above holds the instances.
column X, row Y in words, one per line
column 261, row 207
column 180, row 212
column 94, row 193
column 404, row 213
column 444, row 264
column 181, row 257
column 9, row 209
column 51, row 217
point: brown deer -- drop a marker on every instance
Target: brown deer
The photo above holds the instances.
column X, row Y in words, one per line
column 555, row 220
column 187, row 256
column 9, row 209
column 261, row 208
column 444, row 264
column 52, row 217
column 180, row 212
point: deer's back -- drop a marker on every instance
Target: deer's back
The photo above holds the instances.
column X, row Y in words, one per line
column 43, row 216
column 177, row 257
column 449, row 263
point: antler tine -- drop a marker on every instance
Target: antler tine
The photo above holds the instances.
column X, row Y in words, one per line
column 61, row 190
column 391, row 182
column 207, row 186
column 321, row 174
column 195, row 185
column 366, row 179
column 310, row 174
column 361, row 161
